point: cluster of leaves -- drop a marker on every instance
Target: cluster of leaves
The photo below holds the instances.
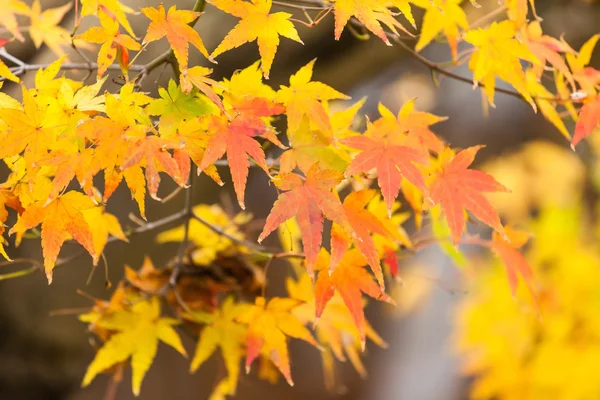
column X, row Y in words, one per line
column 63, row 136
column 513, row 351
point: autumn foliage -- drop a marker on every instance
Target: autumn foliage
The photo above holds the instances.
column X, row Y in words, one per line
column 337, row 176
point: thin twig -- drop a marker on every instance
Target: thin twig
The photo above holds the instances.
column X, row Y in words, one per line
column 219, row 231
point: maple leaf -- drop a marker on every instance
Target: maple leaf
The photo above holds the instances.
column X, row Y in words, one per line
column 198, row 76
column 137, row 333
column 388, row 245
column 547, row 107
column 148, row 279
column 391, row 154
column 32, row 130
column 174, row 26
column 371, row 13
column 411, row 122
column 362, row 222
column 102, row 225
column 45, row 27
column 457, row 188
column 445, row 16
column 8, row 18
column 61, row 219
column 546, row 49
column 515, row 263
column 7, row 199
column 110, row 8
column 209, row 243
column 192, row 137
column 350, row 280
column 303, row 97
column 517, row 10
column 221, row 330
column 112, row 42
column 152, row 153
column 310, row 146
column 246, row 82
column 588, row 121
column 308, row 200
column 175, row 105
column 269, row 324
column 236, row 138
column 498, row 53
column 5, row 71
column 335, row 330
column 587, row 77
column 256, row 24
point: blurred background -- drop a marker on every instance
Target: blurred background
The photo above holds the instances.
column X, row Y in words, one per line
column 449, row 318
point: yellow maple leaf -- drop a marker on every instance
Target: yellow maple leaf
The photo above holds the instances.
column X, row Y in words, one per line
column 5, row 71
column 138, row 331
column 102, row 225
column 498, row 54
column 256, row 24
column 445, row 16
column 8, row 18
column 209, row 242
column 114, row 7
column 174, row 26
column 32, row 130
column 112, row 43
column 269, row 324
column 371, row 13
column 246, row 82
column 45, row 27
column 547, row 107
column 221, row 331
column 302, row 98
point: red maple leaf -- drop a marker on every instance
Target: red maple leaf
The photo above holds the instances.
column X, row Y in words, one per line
column 458, row 188
column 235, row 136
column 589, row 119
column 393, row 159
column 308, row 200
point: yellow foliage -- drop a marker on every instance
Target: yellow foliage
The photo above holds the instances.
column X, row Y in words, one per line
column 137, row 333
column 208, row 241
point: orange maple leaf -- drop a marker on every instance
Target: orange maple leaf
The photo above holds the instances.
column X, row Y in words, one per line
column 236, row 138
column 588, row 121
column 362, row 222
column 152, row 154
column 350, row 280
column 61, row 219
column 174, row 26
column 303, row 97
column 308, row 200
column 458, row 188
column 513, row 260
column 547, row 49
column 411, row 122
column 112, row 43
column 256, row 24
column 269, row 324
column 392, row 155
